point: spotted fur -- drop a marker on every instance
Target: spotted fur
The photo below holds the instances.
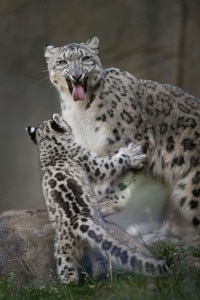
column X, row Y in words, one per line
column 69, row 176
column 118, row 108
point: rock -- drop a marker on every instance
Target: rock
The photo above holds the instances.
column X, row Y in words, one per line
column 26, row 247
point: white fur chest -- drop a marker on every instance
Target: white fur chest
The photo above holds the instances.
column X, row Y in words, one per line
column 86, row 130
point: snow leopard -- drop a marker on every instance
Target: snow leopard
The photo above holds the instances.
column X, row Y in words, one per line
column 107, row 108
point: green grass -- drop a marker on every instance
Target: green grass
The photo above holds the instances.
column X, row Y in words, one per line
column 184, row 283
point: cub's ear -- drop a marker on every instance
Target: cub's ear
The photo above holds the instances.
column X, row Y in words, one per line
column 93, row 44
column 58, row 124
column 32, row 133
column 49, row 51
column 57, row 118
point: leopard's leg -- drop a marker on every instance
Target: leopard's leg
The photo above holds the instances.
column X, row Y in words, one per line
column 186, row 197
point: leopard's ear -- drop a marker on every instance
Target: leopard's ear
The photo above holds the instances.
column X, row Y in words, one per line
column 93, row 44
column 58, row 124
column 32, row 133
column 49, row 51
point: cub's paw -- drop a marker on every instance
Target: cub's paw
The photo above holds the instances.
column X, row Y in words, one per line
column 135, row 155
column 67, row 273
column 69, row 279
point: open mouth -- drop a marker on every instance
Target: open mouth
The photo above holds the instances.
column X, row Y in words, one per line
column 77, row 89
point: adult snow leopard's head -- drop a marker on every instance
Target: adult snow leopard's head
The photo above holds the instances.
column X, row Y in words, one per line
column 51, row 131
column 75, row 68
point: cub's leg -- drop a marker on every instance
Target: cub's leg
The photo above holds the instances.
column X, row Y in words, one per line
column 64, row 244
column 65, row 257
column 108, row 168
column 117, row 198
column 112, row 192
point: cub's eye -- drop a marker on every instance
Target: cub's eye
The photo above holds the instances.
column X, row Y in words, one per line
column 62, row 62
column 86, row 58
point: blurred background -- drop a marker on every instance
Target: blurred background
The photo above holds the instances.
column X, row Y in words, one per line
column 157, row 40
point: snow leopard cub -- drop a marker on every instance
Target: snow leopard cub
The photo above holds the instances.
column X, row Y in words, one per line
column 69, row 174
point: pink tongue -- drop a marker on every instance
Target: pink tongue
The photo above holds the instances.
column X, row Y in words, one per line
column 78, row 92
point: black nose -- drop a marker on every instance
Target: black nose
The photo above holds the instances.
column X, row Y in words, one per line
column 77, row 77
column 31, row 131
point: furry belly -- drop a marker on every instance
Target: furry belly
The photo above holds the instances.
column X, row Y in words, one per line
column 95, row 142
column 86, row 132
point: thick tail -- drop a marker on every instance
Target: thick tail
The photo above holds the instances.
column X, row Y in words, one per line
column 122, row 256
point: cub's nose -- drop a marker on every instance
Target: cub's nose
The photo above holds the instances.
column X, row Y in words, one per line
column 31, row 131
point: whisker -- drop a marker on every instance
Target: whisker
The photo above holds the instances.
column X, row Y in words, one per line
column 44, row 71
column 47, row 77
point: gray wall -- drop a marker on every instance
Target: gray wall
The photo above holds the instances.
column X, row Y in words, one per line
column 153, row 39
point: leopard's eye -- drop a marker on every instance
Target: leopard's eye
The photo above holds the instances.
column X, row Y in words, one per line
column 62, row 62
column 86, row 58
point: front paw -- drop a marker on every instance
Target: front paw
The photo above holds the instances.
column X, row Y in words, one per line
column 135, row 155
